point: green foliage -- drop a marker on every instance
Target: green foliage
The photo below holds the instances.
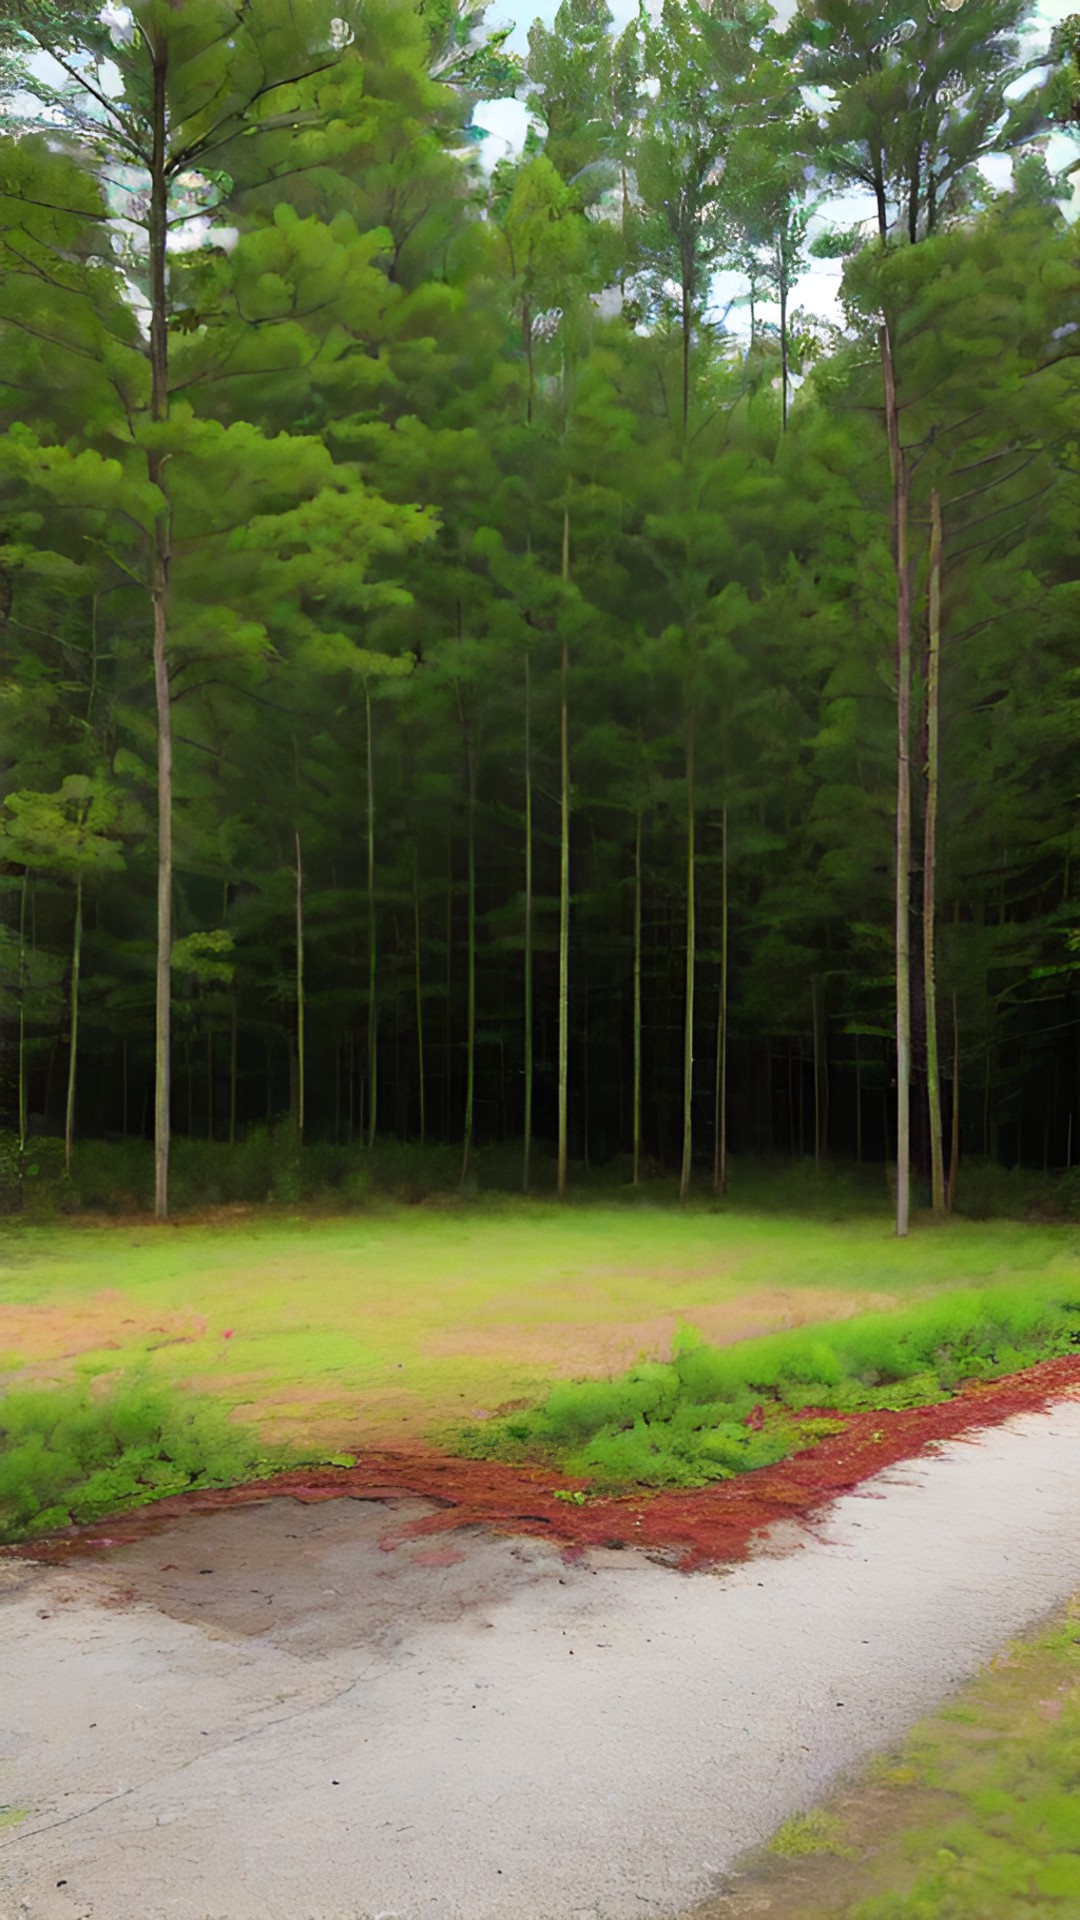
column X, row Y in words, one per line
column 420, row 427
column 72, row 1453
column 717, row 1411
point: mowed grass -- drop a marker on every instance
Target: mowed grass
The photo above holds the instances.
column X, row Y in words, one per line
column 384, row 1327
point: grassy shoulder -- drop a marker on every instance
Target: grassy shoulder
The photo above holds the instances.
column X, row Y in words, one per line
column 713, row 1412
column 976, row 1818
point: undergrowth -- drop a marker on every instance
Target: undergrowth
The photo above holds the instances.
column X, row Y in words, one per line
column 69, row 1454
column 269, row 1165
column 713, row 1412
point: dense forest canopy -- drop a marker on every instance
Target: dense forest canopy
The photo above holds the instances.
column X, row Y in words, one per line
column 456, row 688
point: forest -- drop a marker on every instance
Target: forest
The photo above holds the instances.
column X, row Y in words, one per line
column 464, row 685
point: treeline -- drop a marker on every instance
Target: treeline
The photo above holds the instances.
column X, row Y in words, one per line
column 455, row 689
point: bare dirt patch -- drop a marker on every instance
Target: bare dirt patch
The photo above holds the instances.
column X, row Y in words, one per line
column 44, row 1336
column 565, row 1348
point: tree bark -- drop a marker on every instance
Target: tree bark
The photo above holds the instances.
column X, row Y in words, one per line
column 954, row 1144
column 720, row 1160
column 159, row 595
column 526, row 1159
column 901, row 498
column 232, row 1071
column 879, row 197
column 73, row 1048
column 373, row 952
column 783, row 278
column 637, row 1002
column 299, row 992
column 691, row 955
column 22, row 1015
column 933, row 1076
column 815, row 1017
column 686, row 320
column 564, row 871
column 418, row 990
column 470, row 942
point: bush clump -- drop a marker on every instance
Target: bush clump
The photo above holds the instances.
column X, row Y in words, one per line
column 69, row 1454
column 716, row 1411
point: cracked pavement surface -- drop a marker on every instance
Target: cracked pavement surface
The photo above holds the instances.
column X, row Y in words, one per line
column 290, row 1712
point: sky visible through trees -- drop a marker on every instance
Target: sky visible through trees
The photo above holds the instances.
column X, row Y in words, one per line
column 454, row 687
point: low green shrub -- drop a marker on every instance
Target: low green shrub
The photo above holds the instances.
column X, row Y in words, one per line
column 715, row 1411
column 70, row 1453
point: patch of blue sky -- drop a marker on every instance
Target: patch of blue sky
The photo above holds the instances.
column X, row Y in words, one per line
column 505, row 123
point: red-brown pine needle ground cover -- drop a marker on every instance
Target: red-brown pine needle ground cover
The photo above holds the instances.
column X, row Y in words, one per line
column 694, row 1528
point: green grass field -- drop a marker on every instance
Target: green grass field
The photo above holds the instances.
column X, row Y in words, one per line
column 391, row 1325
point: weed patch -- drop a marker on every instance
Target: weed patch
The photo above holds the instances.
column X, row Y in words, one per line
column 713, row 1412
column 811, row 1833
column 67, row 1454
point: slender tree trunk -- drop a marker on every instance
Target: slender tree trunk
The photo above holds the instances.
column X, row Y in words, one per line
column 448, row 1046
column 73, row 1049
column 686, row 318
column 418, row 990
column 158, row 228
column 914, row 184
column 22, row 1015
column 720, row 1161
column 92, row 692
column 879, row 197
column 373, row 953
column 901, row 484
column 564, row 871
column 470, row 941
column 691, row 957
column 123, row 1089
column 299, row 992
column 954, row 1144
column 504, row 1113
column 783, row 279
column 526, row 1162
column 350, row 1086
column 988, row 1062
column 637, row 1001
column 858, row 1100
column 232, row 1071
column 584, row 1004
column 815, row 1018
column 530, row 371
column 933, row 1077
column 209, row 1082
